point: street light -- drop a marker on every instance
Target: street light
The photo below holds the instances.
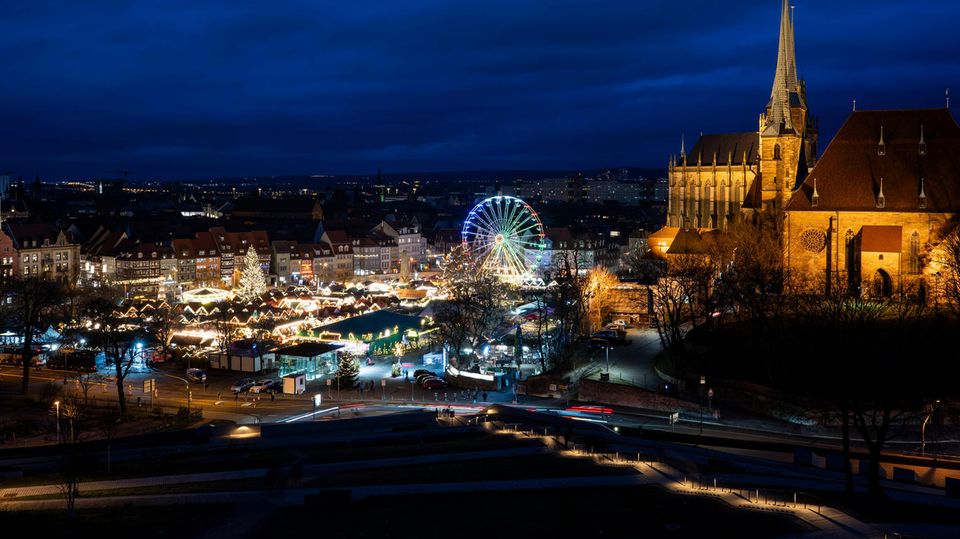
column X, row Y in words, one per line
column 703, row 383
column 187, row 382
column 923, row 427
column 57, row 404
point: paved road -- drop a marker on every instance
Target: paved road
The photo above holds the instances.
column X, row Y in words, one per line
column 632, row 362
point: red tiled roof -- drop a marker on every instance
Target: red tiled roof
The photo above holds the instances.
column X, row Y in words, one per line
column 849, row 172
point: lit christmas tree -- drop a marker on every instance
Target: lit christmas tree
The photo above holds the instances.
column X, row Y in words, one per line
column 253, row 283
column 347, row 372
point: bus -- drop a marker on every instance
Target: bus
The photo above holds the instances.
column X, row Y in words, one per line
column 13, row 355
column 73, row 360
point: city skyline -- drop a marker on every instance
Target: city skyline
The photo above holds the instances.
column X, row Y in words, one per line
column 192, row 92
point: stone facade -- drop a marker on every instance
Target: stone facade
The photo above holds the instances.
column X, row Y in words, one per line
column 873, row 209
column 821, row 244
column 727, row 173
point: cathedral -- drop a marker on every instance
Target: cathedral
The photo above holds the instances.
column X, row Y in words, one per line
column 869, row 215
column 725, row 174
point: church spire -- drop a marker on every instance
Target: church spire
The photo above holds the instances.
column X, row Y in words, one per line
column 785, row 80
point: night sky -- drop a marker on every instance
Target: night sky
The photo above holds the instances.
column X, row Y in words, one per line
column 191, row 89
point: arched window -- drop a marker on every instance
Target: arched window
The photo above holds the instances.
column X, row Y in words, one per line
column 849, row 251
column 776, row 152
column 914, row 260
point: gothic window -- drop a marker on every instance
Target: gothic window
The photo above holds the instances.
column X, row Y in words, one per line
column 849, row 249
column 813, row 240
column 914, row 262
column 776, row 152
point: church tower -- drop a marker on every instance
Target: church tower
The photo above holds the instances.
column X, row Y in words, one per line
column 788, row 137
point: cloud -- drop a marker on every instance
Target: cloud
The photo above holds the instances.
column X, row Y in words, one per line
column 189, row 89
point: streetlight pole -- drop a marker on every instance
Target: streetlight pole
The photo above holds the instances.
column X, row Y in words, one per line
column 703, row 383
column 607, row 348
column 57, row 404
column 187, row 382
column 923, row 426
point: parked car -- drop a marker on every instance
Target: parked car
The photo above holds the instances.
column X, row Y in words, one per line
column 622, row 323
column 418, row 372
column 264, row 386
column 242, row 385
column 608, row 334
column 196, row 375
column 598, row 343
column 434, row 383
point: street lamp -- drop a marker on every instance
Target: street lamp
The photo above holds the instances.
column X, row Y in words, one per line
column 703, row 383
column 923, row 427
column 57, row 404
column 187, row 382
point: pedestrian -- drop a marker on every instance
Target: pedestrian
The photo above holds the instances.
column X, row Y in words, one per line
column 138, row 402
column 218, row 394
column 273, row 396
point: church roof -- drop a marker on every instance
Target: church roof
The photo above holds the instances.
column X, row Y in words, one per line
column 848, row 175
column 727, row 147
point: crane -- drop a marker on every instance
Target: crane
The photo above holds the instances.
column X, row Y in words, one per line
column 125, row 173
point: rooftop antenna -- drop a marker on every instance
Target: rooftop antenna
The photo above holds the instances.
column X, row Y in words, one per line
column 947, row 93
column 854, row 105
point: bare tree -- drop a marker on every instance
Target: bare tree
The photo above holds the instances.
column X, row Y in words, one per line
column 116, row 335
column 474, row 306
column 223, row 326
column 599, row 293
column 568, row 293
column 161, row 325
column 28, row 309
column 68, row 479
column 542, row 326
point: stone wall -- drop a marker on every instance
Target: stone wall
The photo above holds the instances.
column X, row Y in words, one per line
column 625, row 395
column 840, row 227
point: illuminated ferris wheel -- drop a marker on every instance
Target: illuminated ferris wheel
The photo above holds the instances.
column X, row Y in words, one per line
column 505, row 236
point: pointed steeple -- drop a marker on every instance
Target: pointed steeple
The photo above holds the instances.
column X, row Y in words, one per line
column 815, row 199
column 683, row 150
column 785, row 80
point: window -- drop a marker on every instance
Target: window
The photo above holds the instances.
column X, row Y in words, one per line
column 914, row 261
column 776, row 152
column 849, row 247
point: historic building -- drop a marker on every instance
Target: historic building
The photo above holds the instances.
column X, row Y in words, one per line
column 726, row 173
column 870, row 213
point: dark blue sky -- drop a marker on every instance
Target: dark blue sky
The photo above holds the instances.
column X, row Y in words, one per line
column 191, row 88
